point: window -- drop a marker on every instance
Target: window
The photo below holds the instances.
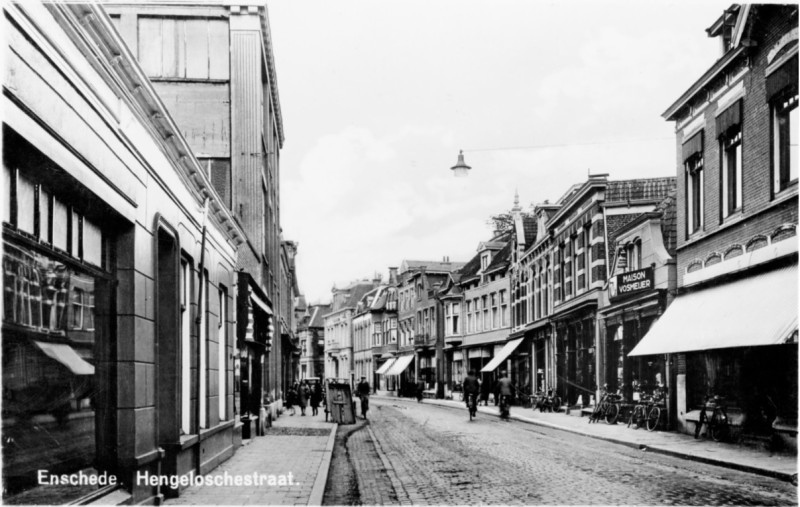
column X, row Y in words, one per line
column 694, row 192
column 731, row 171
column 470, row 324
column 495, row 311
column 186, row 332
column 485, row 258
column 504, row 308
column 191, row 48
column 633, row 256
column 485, row 305
column 784, row 142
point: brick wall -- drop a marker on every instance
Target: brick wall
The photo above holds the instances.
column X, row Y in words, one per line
column 762, row 212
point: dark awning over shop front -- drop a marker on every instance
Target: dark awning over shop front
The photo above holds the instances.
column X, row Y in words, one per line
column 759, row 310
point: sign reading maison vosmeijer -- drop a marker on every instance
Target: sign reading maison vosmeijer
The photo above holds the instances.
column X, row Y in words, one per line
column 633, row 282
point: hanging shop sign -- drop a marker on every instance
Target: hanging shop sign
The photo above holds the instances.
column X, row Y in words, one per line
column 632, row 282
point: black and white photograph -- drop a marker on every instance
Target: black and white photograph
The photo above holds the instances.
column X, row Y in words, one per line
column 399, row 252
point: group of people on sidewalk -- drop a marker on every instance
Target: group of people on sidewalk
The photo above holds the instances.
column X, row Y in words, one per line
column 300, row 394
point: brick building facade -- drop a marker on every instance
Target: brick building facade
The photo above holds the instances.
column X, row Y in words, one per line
column 736, row 311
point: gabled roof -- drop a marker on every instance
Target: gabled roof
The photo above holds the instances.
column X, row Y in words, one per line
column 470, row 269
column 501, row 260
column 316, row 316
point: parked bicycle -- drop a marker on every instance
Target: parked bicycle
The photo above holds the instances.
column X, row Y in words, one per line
column 607, row 407
column 546, row 401
column 647, row 412
column 718, row 424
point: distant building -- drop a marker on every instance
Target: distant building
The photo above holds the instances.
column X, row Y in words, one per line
column 311, row 332
column 421, row 350
column 339, row 360
column 732, row 330
column 477, row 313
column 558, row 279
column 375, row 334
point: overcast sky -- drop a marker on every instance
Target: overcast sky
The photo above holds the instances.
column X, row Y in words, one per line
column 378, row 97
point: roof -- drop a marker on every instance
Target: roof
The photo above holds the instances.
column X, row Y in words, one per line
column 640, row 189
column 501, row 259
column 446, row 267
column 666, row 210
column 470, row 269
column 316, row 315
column 669, row 222
column 529, row 228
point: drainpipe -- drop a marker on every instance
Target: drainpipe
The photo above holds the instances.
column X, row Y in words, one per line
column 199, row 321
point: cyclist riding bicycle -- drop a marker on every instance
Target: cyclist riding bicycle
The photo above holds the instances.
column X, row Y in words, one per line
column 472, row 389
column 506, row 389
column 362, row 391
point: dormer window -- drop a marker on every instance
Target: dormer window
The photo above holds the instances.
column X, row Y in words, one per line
column 486, row 258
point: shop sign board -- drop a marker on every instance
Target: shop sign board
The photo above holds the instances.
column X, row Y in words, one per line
column 632, row 282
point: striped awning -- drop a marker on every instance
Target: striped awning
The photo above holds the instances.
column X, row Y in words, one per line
column 502, row 355
column 400, row 365
column 385, row 366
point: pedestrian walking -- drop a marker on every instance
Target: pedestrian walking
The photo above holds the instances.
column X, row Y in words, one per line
column 291, row 395
column 303, row 393
column 496, row 391
column 316, row 398
column 486, row 390
column 362, row 391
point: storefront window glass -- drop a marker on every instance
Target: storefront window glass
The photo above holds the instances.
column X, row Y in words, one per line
column 49, row 383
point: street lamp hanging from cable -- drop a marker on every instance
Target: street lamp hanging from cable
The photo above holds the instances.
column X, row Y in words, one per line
column 460, row 169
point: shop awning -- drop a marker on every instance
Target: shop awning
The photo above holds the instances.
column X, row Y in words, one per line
column 385, row 366
column 759, row 310
column 260, row 303
column 400, row 365
column 501, row 356
column 67, row 356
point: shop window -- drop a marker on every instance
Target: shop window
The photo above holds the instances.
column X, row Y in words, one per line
column 50, row 351
column 784, row 142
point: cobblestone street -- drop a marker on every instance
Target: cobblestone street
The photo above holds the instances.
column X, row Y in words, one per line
column 412, row 453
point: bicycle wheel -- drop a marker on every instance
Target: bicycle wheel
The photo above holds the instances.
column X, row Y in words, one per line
column 612, row 413
column 653, row 417
column 718, row 428
column 632, row 416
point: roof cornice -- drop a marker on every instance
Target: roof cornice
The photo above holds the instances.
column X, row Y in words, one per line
column 701, row 83
column 126, row 75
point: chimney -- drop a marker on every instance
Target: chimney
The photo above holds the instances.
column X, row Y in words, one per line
column 376, row 279
column 392, row 276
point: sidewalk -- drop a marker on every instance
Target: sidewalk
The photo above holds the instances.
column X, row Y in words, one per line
column 780, row 466
column 296, row 445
